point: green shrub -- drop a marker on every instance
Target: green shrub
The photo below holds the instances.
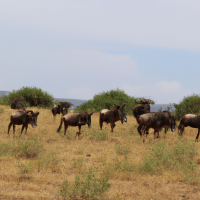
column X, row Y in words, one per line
column 30, row 149
column 178, row 158
column 84, row 187
column 189, row 104
column 31, row 96
column 106, row 100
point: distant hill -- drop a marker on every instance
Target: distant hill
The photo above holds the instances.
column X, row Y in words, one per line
column 162, row 107
column 2, row 93
column 78, row 102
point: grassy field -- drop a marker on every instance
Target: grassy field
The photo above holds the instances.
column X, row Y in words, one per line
column 121, row 166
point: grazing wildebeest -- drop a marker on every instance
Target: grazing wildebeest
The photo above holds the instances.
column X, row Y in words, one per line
column 76, row 119
column 111, row 116
column 190, row 120
column 156, row 120
column 62, row 108
column 22, row 117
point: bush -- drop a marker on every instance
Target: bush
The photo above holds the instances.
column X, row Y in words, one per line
column 106, row 100
column 189, row 104
column 85, row 187
column 31, row 96
column 178, row 158
column 30, row 149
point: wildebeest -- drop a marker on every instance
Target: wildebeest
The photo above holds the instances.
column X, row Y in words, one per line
column 22, row 117
column 156, row 120
column 111, row 116
column 76, row 119
column 62, row 108
column 190, row 120
column 145, row 108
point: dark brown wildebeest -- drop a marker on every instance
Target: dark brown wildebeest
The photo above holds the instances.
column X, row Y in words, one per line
column 22, row 117
column 76, row 119
column 190, row 120
column 111, row 116
column 62, row 108
column 155, row 120
column 145, row 108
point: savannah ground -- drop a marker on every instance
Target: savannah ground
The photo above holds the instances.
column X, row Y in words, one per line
column 121, row 166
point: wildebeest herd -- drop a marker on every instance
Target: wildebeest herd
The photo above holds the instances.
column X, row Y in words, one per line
column 144, row 118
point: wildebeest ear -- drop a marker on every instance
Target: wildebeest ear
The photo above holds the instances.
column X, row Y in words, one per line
column 37, row 113
column 123, row 105
column 117, row 106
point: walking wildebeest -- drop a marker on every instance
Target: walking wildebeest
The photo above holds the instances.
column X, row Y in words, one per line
column 76, row 119
column 62, row 108
column 156, row 120
column 190, row 120
column 22, row 117
column 111, row 116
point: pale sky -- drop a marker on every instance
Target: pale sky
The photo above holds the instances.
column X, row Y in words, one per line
column 76, row 49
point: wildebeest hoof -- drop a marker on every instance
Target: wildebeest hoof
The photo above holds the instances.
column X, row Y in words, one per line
column 78, row 133
column 196, row 140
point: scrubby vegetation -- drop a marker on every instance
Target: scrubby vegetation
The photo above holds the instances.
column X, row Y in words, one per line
column 121, row 165
column 189, row 105
column 106, row 100
column 30, row 96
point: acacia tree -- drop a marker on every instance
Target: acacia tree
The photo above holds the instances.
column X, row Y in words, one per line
column 31, row 96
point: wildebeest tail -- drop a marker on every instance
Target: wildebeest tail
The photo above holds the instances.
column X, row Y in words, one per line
column 61, row 121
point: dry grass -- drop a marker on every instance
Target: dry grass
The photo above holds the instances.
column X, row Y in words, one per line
column 37, row 169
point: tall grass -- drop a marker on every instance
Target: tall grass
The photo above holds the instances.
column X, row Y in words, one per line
column 87, row 186
column 178, row 158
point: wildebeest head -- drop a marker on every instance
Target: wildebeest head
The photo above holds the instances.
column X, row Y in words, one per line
column 89, row 119
column 121, row 112
column 172, row 120
column 32, row 118
column 17, row 104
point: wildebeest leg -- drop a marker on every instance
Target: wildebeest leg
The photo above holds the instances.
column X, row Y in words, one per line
column 79, row 131
column 9, row 127
column 54, row 118
column 139, row 129
column 22, row 129
column 196, row 140
column 100, row 123
column 112, row 124
column 156, row 134
column 26, row 131
column 66, row 126
column 13, row 130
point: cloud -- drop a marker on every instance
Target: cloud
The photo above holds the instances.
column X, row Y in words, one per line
column 165, row 86
column 81, row 93
column 165, row 24
column 61, row 72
